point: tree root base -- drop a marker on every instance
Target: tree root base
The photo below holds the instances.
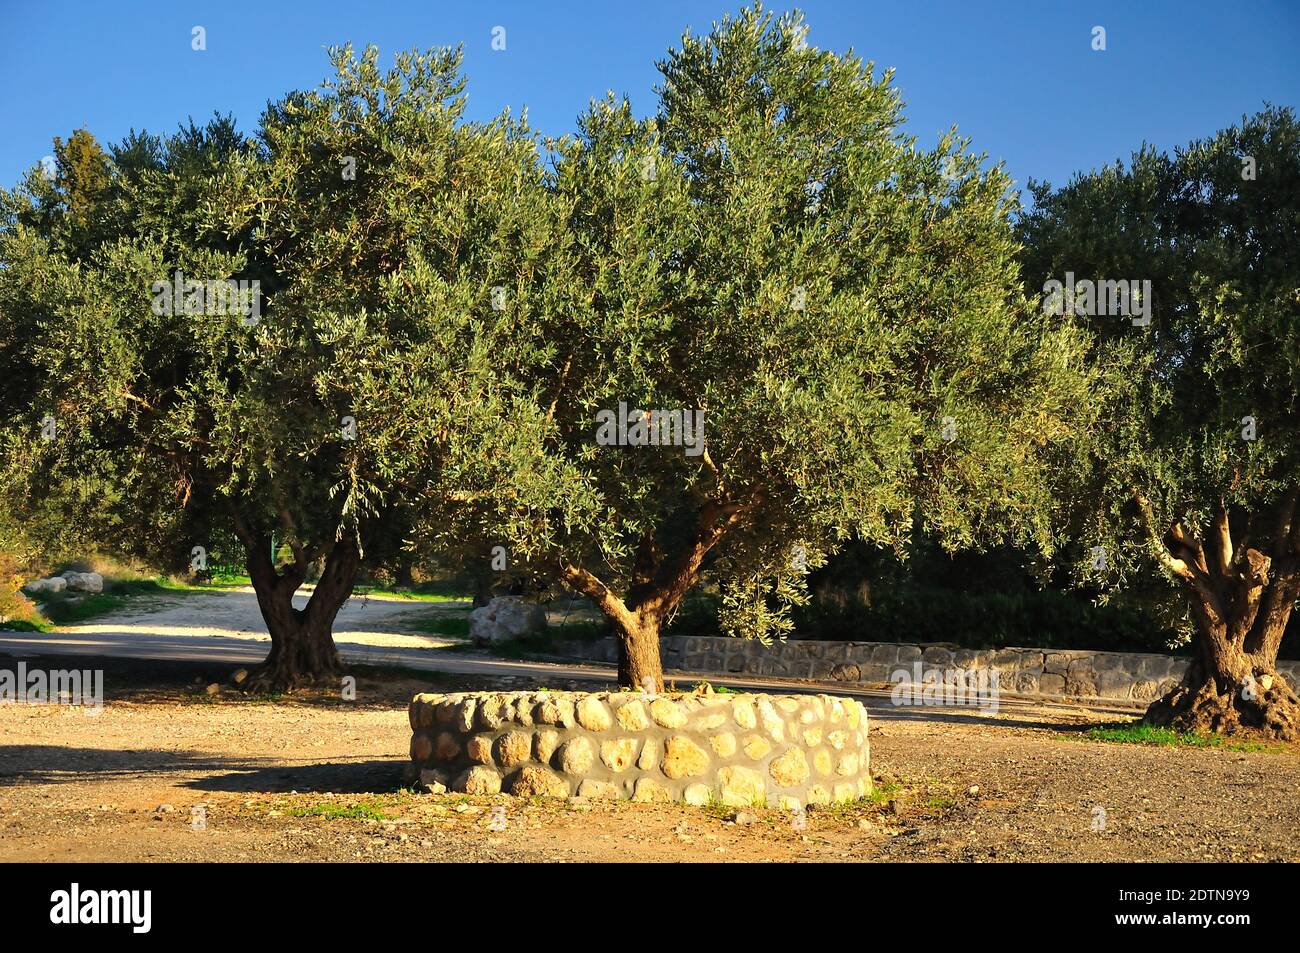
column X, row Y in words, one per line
column 1273, row 714
column 266, row 679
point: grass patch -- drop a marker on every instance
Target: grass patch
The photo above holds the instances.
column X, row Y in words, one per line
column 334, row 812
column 708, row 688
column 1140, row 733
column 454, row 626
column 883, row 793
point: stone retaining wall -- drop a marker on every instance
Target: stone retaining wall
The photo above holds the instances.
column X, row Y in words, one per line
column 1060, row 674
column 737, row 749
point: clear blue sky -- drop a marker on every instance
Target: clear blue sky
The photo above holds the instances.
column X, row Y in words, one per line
column 1020, row 78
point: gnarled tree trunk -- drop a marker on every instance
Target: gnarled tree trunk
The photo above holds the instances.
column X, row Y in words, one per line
column 1242, row 600
column 639, row 663
column 658, row 583
column 302, row 640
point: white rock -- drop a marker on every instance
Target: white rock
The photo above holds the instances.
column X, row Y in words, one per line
column 52, row 584
column 504, row 618
column 84, row 581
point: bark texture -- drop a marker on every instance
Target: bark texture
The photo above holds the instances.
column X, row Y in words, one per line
column 303, row 652
column 1241, row 598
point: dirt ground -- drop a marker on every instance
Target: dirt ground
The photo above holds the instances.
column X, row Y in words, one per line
column 167, row 772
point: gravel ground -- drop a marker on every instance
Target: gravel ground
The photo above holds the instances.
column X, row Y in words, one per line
column 313, row 777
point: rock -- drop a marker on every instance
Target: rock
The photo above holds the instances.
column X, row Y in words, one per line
column 544, row 744
column 446, row 747
column 599, row 790
column 790, row 769
column 743, row 818
column 708, row 722
column 697, row 795
column 164, row 809
column 555, row 711
column 846, row 672
column 421, row 747
column 576, row 756
column 618, row 754
column 684, row 758
column 478, row 780
column 741, row 787
column 723, row 743
column 84, row 581
column 479, row 749
column 743, row 712
column 52, row 584
column 240, row 676
column 493, row 712
column 650, row 791
column 649, row 756
column 667, row 714
column 536, row 781
column 463, row 715
column 433, row 782
column 213, row 689
column 506, row 618
column 592, row 714
column 632, row 717
column 756, row 746
column 974, row 790
column 512, row 748
column 771, row 719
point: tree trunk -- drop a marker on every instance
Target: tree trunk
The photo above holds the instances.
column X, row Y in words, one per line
column 639, row 664
column 1232, row 685
column 302, row 641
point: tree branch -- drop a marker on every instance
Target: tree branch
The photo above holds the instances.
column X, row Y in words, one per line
column 1223, row 537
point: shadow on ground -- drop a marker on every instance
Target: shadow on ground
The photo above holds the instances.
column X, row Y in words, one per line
column 347, row 777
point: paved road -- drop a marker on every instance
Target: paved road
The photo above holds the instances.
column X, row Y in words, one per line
column 226, row 627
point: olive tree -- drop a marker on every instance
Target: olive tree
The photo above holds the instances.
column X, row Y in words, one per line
column 267, row 336
column 771, row 322
column 1185, row 270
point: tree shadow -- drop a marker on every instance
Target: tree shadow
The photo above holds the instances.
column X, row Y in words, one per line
column 57, row 764
column 347, row 777
column 22, row 765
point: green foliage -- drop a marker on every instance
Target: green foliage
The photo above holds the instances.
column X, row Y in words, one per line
column 976, row 600
column 1223, row 343
column 176, row 429
column 802, row 272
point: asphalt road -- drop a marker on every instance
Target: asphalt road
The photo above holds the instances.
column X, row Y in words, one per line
column 225, row 627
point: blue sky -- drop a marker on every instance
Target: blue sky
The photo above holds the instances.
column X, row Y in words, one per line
column 1020, row 78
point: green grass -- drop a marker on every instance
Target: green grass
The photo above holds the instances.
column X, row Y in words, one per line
column 333, row 812
column 883, row 793
column 67, row 607
column 455, row 626
column 1139, row 733
column 704, row 688
column 412, row 595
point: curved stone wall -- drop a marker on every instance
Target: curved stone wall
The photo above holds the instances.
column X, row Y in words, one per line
column 736, row 749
